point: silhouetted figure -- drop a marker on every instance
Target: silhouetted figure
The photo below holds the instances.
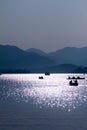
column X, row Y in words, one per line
column 40, row 77
column 76, row 81
column 73, row 77
column 70, row 82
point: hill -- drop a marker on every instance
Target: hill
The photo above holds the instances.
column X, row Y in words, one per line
column 62, row 68
column 12, row 57
column 38, row 51
column 66, row 60
column 70, row 55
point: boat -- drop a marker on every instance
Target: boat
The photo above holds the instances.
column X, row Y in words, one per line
column 73, row 83
column 78, row 77
column 40, row 77
column 47, row 73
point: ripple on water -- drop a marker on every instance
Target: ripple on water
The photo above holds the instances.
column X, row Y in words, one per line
column 53, row 91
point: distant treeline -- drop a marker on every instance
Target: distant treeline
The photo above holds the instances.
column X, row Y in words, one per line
column 17, row 71
column 14, row 71
column 80, row 70
column 66, row 60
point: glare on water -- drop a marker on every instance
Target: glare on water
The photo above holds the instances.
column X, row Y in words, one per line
column 52, row 91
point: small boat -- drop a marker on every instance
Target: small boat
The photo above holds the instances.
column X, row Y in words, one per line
column 40, row 77
column 73, row 83
column 47, row 73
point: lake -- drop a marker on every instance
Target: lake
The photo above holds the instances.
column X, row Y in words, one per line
column 30, row 103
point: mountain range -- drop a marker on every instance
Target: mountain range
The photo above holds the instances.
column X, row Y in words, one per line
column 71, row 55
column 68, row 59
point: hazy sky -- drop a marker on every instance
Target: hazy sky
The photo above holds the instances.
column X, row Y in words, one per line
column 44, row 24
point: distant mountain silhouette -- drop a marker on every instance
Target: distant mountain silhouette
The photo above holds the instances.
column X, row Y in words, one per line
column 66, row 60
column 12, row 57
column 38, row 51
column 70, row 55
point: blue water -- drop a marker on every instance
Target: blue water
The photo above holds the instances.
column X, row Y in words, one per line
column 29, row 103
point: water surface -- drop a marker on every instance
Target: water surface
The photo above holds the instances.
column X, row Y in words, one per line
column 29, row 103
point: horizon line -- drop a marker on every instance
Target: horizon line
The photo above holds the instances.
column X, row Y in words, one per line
column 42, row 49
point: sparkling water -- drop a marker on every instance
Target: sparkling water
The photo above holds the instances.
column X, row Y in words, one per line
column 30, row 103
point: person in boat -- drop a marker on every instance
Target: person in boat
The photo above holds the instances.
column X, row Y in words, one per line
column 76, row 81
column 70, row 82
column 78, row 77
column 73, row 77
column 69, row 77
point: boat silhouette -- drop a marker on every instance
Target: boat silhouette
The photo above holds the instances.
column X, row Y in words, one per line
column 47, row 73
column 40, row 77
column 78, row 77
column 73, row 83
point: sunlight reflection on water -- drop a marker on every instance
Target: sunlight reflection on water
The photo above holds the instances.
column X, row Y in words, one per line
column 52, row 91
